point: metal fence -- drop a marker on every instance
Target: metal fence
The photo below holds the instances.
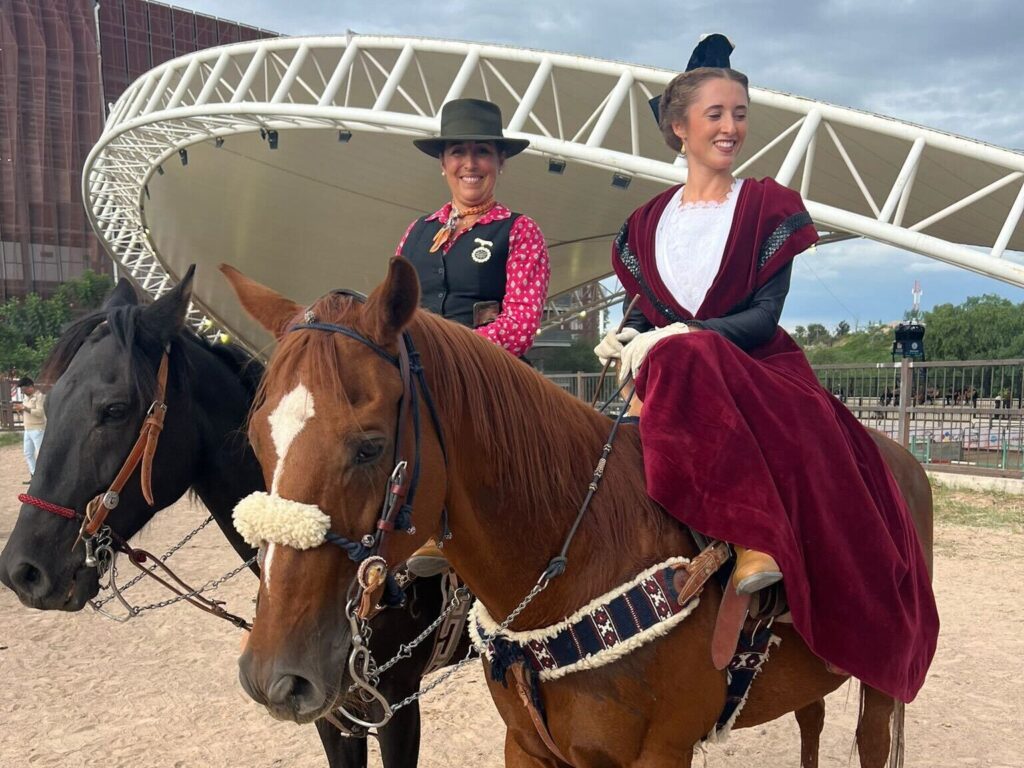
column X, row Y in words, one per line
column 965, row 416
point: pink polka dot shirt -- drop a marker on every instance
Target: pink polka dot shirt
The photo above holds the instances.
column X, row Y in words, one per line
column 527, row 274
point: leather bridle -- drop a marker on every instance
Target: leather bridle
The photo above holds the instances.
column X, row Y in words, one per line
column 143, row 450
column 374, row 583
column 101, row 541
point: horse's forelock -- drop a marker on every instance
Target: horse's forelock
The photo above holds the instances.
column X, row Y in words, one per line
column 124, row 324
column 312, row 352
column 67, row 346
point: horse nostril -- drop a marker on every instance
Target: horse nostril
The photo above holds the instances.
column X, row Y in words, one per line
column 280, row 690
column 295, row 694
column 27, row 579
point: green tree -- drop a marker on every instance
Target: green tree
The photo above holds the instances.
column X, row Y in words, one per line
column 817, row 334
column 842, row 329
column 982, row 327
column 871, row 345
column 29, row 327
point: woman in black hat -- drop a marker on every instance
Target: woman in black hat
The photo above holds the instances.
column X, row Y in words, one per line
column 479, row 263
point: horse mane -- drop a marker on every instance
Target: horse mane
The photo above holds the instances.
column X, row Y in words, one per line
column 124, row 323
column 508, row 404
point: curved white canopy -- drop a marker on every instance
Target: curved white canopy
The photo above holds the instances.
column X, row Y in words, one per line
column 317, row 212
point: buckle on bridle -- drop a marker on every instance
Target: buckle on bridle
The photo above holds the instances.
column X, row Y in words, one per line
column 371, row 572
column 110, row 500
column 397, row 479
column 157, row 405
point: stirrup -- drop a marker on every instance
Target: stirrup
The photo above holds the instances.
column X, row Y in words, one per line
column 754, row 571
column 427, row 561
column 758, row 581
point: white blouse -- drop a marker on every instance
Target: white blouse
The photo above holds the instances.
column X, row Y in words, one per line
column 689, row 245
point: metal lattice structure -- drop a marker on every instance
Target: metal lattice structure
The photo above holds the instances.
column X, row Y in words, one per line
column 186, row 168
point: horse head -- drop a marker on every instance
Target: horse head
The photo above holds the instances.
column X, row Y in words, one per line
column 107, row 364
column 325, row 426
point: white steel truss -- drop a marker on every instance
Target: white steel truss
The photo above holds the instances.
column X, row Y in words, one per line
column 924, row 191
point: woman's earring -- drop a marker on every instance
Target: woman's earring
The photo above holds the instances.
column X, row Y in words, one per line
column 443, row 173
column 682, row 149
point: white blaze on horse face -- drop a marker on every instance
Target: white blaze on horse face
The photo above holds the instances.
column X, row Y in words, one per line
column 265, row 570
column 286, row 422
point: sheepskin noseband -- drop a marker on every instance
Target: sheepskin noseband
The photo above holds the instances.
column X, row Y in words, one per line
column 264, row 517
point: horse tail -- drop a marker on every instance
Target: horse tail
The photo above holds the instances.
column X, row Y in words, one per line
column 897, row 740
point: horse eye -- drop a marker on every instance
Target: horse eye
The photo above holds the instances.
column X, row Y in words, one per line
column 368, row 451
column 115, row 412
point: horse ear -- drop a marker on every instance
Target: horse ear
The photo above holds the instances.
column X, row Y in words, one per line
column 266, row 306
column 123, row 295
column 165, row 317
column 394, row 302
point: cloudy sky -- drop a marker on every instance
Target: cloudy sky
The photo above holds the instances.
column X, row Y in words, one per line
column 951, row 65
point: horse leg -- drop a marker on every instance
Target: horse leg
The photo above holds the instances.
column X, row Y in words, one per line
column 876, row 709
column 400, row 738
column 811, row 719
column 342, row 751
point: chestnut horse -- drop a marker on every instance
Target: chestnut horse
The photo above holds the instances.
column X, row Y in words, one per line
column 506, row 474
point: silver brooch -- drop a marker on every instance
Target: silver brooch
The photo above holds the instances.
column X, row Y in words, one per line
column 482, row 252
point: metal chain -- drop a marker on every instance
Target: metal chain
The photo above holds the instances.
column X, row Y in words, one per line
column 462, row 594
column 210, row 586
column 97, row 604
column 539, row 587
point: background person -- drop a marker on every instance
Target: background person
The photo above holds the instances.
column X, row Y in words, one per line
column 33, row 414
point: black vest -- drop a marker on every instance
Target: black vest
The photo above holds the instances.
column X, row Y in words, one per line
column 451, row 283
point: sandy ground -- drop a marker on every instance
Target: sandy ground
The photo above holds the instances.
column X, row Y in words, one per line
column 161, row 690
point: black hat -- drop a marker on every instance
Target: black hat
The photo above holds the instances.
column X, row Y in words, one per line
column 470, row 120
column 712, row 51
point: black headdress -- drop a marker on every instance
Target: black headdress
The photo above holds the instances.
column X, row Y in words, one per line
column 712, row 51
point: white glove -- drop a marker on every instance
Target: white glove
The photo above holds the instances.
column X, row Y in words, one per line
column 634, row 353
column 611, row 345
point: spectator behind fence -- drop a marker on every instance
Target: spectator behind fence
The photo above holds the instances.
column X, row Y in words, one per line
column 33, row 417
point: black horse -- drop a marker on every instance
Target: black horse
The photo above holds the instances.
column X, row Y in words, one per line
column 107, row 363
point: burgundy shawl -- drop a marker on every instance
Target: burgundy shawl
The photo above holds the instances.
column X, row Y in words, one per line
column 749, row 448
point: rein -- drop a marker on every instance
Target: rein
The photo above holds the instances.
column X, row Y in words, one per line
column 102, row 543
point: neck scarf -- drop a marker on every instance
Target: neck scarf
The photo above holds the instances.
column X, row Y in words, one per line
column 448, row 230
